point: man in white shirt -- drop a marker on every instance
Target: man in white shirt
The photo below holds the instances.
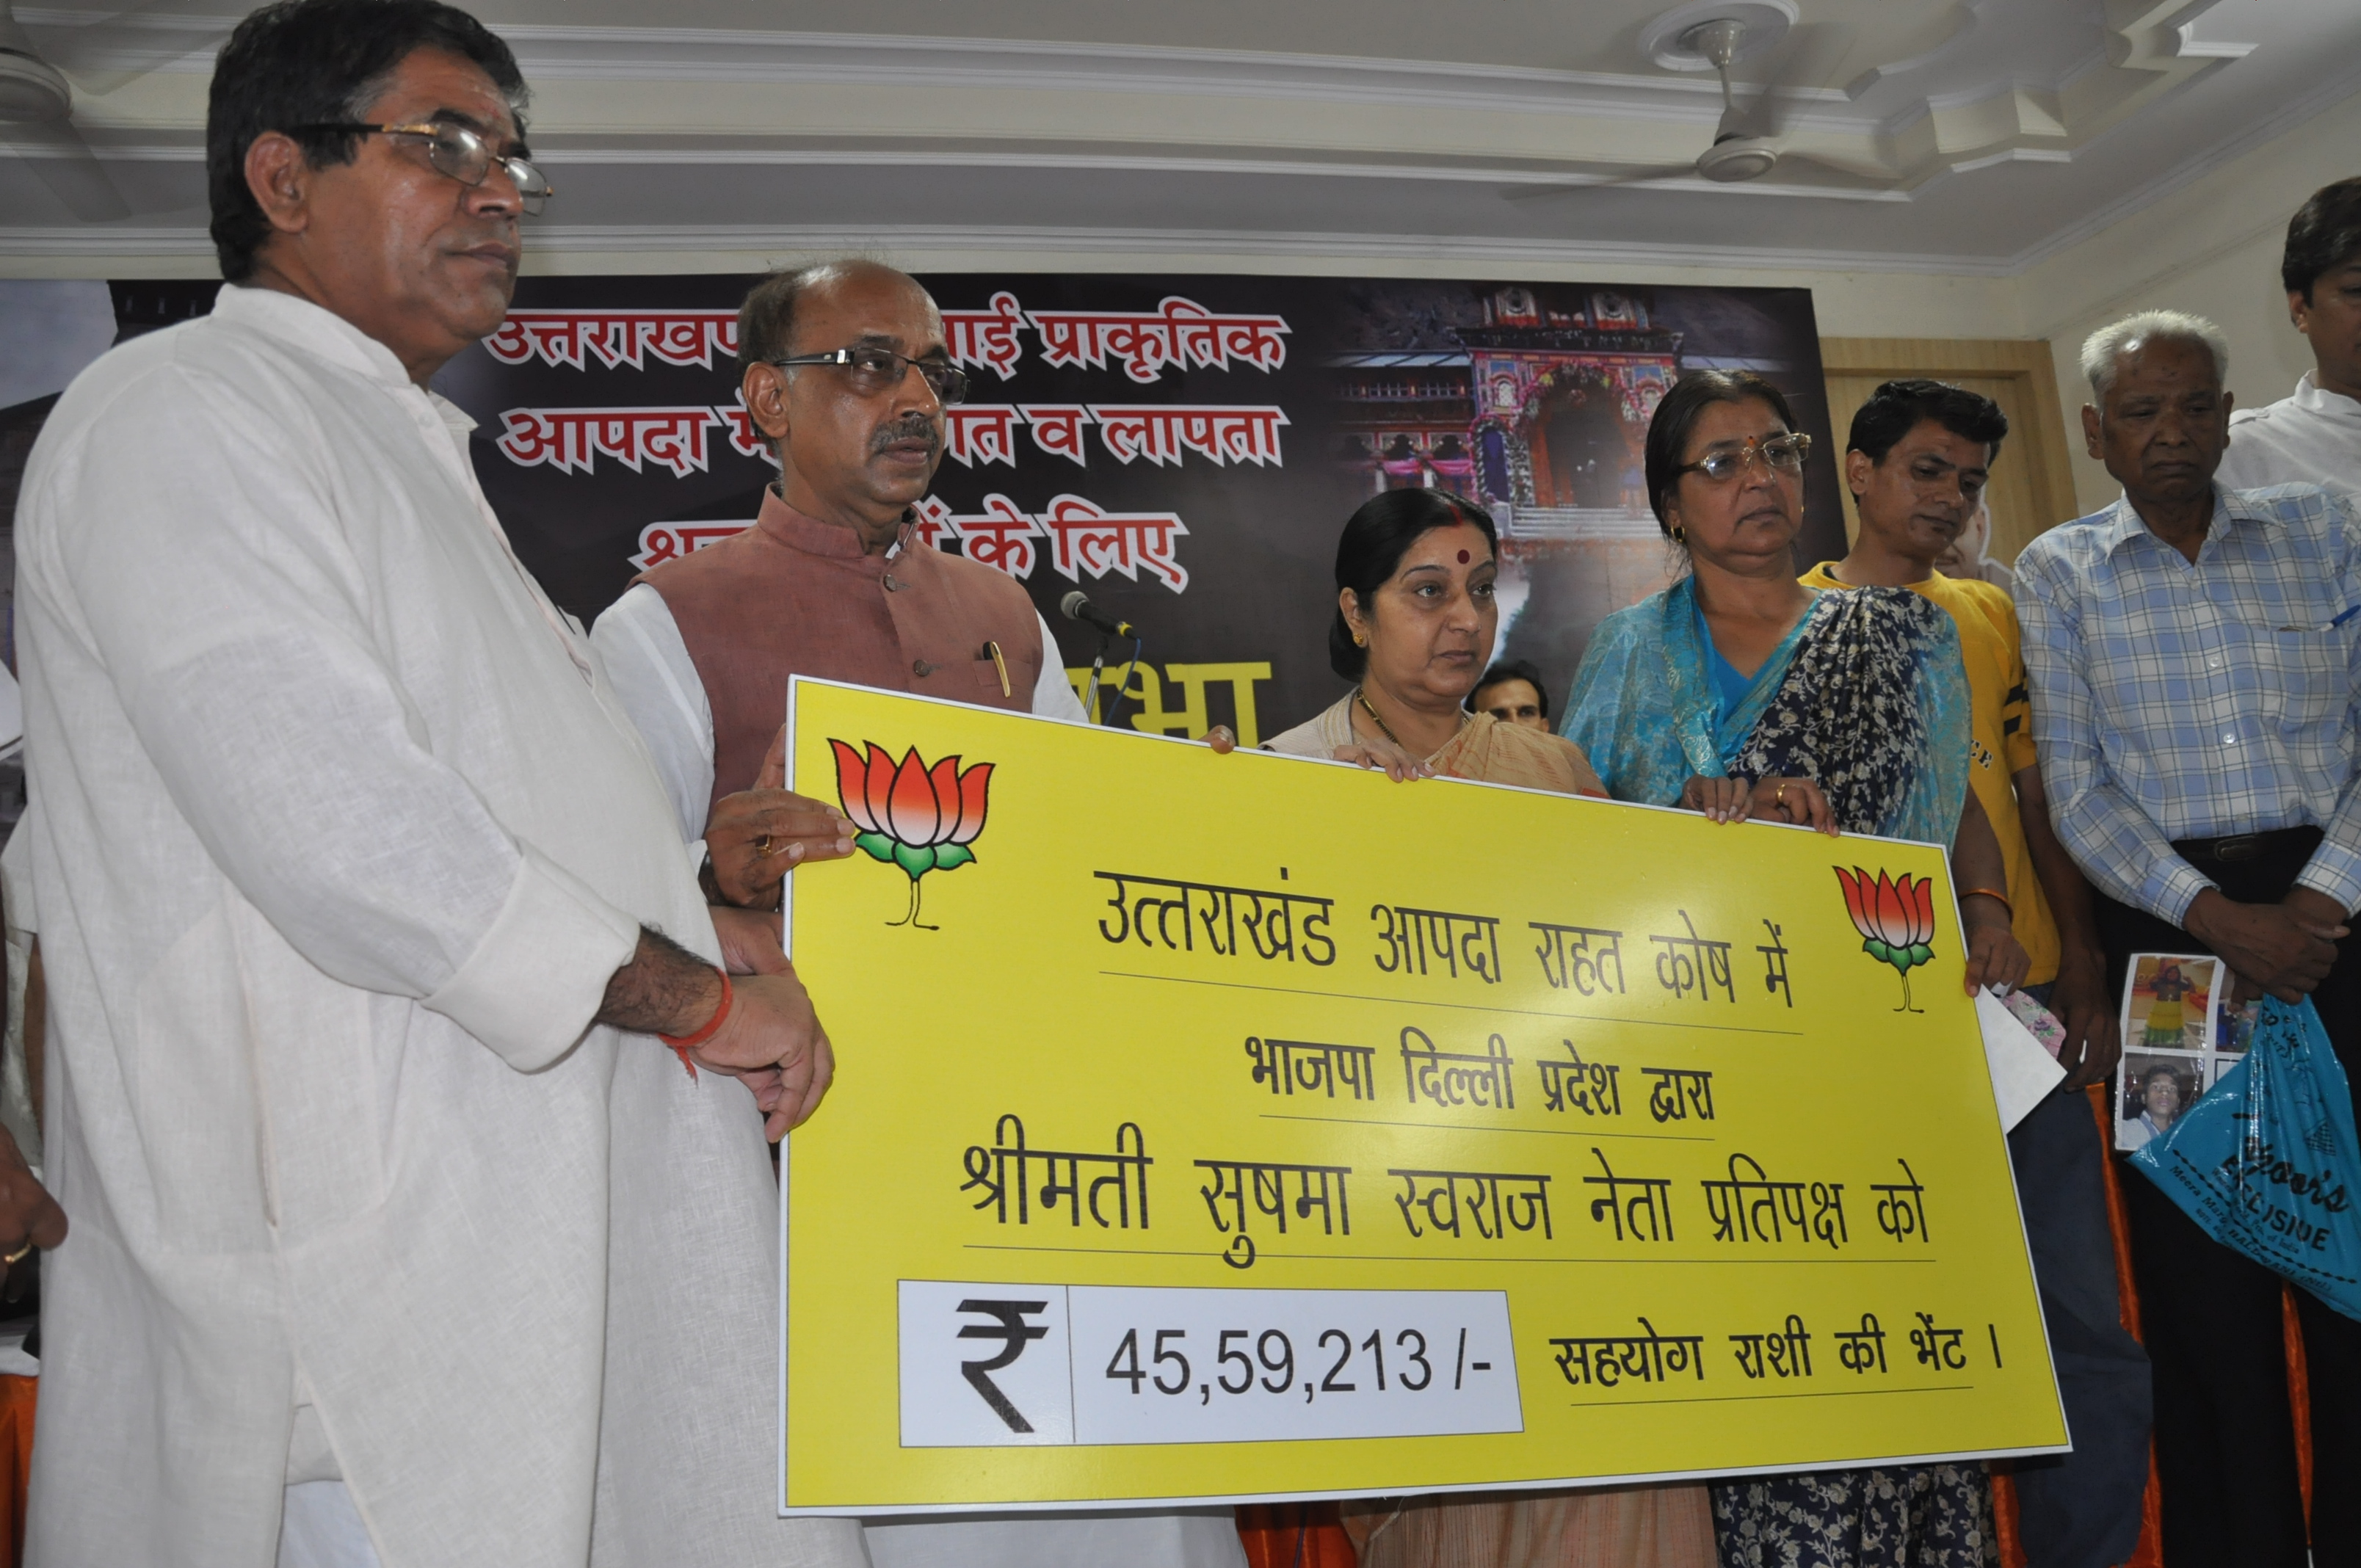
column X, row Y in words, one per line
column 844, row 368
column 395, row 1238
column 2313, row 435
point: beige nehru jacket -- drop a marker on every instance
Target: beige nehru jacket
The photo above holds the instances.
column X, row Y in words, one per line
column 793, row 596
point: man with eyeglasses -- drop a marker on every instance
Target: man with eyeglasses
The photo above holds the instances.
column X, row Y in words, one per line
column 844, row 368
column 1917, row 461
column 395, row 1237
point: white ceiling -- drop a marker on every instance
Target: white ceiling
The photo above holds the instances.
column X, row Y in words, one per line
column 1965, row 136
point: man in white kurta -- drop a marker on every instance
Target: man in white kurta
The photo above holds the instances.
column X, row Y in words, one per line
column 832, row 582
column 342, row 839
column 342, row 834
column 2313, row 436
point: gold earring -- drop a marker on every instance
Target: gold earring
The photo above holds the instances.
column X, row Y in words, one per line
column 1360, row 641
column 1680, row 535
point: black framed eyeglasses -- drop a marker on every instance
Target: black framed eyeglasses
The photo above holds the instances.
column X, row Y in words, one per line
column 461, row 152
column 1782, row 455
column 877, row 369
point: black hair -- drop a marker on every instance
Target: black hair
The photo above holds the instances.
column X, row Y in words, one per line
column 1897, row 408
column 766, row 322
column 1513, row 670
column 2324, row 233
column 304, row 62
column 1375, row 539
column 1668, row 432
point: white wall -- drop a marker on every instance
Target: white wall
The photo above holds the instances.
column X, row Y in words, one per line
column 2212, row 248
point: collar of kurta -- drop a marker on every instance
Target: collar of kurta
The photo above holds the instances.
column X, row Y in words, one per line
column 2312, row 400
column 325, row 335
column 800, row 531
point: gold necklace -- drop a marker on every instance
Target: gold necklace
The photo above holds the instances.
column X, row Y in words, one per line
column 1376, row 718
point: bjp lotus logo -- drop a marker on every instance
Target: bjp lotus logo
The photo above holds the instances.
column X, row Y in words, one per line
column 921, row 819
column 1895, row 916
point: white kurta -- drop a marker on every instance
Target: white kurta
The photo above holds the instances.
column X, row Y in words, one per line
column 2309, row 436
column 341, row 833
column 658, row 683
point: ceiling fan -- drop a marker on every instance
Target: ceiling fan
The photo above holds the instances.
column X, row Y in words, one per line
column 37, row 106
column 1746, row 141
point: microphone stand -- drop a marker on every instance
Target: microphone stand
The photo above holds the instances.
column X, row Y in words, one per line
column 1122, row 684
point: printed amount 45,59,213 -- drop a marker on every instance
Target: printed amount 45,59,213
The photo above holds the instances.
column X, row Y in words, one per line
column 1271, row 1368
column 989, row 1364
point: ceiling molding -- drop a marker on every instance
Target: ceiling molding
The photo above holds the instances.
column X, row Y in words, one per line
column 558, row 239
column 771, row 240
column 1240, row 242
column 1965, row 20
column 1992, row 83
column 1892, row 148
column 101, row 241
column 2268, row 128
column 554, row 54
column 560, row 157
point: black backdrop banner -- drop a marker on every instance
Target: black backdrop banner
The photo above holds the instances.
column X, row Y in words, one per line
column 1183, row 449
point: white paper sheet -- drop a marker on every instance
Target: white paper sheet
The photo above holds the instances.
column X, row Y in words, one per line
column 2022, row 1072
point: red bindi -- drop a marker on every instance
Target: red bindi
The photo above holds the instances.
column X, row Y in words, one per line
column 1463, row 557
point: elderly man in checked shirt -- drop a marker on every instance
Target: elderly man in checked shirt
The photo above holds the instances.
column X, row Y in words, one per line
column 2195, row 655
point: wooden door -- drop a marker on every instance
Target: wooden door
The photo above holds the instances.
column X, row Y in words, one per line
column 2033, row 484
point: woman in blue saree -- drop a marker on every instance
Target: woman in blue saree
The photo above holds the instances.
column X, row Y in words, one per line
column 1738, row 692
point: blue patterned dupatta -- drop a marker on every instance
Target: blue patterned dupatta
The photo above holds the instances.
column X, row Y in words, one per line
column 1867, row 695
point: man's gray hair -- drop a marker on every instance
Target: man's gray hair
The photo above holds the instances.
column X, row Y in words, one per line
column 2104, row 347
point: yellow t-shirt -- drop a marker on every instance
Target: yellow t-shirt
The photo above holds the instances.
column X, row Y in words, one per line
column 2001, row 743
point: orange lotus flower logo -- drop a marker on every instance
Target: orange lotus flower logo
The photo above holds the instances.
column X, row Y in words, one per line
column 921, row 819
column 1895, row 917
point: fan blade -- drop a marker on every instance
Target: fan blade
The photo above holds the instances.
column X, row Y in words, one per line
column 77, row 51
column 1809, row 57
column 1627, row 174
column 66, row 164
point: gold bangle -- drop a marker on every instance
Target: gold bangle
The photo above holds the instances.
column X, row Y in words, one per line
column 1992, row 894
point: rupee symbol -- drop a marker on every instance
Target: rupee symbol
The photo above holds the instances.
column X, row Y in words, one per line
column 1013, row 1334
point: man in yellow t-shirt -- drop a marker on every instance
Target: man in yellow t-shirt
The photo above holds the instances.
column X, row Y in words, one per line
column 1916, row 462
column 1919, row 456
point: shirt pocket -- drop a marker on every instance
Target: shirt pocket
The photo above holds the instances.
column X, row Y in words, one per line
column 988, row 679
column 2305, row 675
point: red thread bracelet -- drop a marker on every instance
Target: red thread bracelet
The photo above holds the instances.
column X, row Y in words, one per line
column 683, row 1044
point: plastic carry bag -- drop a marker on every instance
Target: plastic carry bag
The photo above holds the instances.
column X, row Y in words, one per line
column 2267, row 1162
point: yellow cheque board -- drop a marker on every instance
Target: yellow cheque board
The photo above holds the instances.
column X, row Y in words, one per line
column 1230, row 1128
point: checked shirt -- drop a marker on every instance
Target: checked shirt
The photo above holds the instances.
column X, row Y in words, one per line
column 2173, row 701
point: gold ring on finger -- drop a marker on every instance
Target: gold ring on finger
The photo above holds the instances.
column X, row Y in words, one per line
column 763, row 846
column 12, row 1260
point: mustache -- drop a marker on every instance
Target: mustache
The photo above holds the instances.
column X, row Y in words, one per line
column 915, row 427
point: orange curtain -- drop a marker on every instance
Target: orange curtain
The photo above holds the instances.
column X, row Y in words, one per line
column 2298, row 1396
column 1294, row 1535
column 2150, row 1552
column 18, row 1396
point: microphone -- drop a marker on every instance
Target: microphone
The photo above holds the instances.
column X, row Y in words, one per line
column 1077, row 605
